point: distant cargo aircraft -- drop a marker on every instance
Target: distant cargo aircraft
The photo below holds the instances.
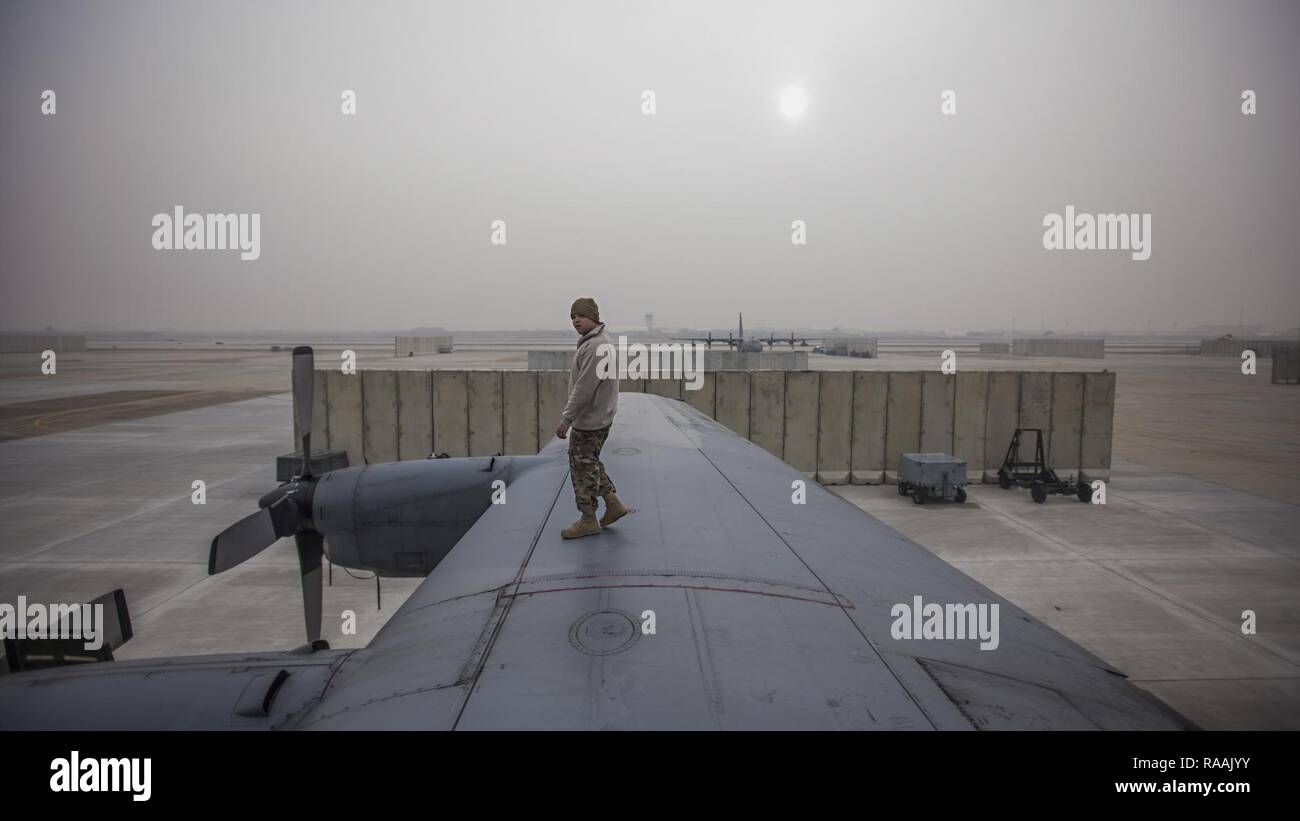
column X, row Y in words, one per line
column 721, row 605
column 748, row 344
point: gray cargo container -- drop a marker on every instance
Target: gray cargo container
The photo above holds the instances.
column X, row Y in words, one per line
column 931, row 476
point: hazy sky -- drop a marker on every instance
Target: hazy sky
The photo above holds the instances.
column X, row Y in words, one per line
column 531, row 112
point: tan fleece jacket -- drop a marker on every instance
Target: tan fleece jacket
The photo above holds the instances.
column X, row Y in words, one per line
column 592, row 401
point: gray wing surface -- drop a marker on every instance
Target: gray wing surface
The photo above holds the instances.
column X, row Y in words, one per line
column 226, row 692
column 766, row 615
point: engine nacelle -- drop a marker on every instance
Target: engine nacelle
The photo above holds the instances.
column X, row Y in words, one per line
column 403, row 518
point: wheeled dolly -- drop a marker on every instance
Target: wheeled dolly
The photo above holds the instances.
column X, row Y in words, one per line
column 1036, row 475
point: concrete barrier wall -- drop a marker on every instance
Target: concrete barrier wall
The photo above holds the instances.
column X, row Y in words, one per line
column 343, row 393
column 416, row 345
column 867, row 449
column 414, row 414
column 519, row 401
column 995, row 347
column 1263, row 348
column 552, row 396
column 732, row 402
column 1098, row 425
column 670, row 388
column 1001, row 417
column 451, row 413
column 800, row 425
column 379, row 415
column 902, row 419
column 704, row 399
column 938, row 392
column 28, row 343
column 550, row 360
column 1055, row 346
column 1066, row 433
column 834, row 441
column 767, row 411
column 970, row 420
column 1036, row 400
column 1286, row 365
column 486, row 413
column 755, row 360
column 1223, row 347
column 848, row 345
column 835, row 426
column 406, row 345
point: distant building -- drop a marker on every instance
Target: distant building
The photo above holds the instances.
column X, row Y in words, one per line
column 1216, row 330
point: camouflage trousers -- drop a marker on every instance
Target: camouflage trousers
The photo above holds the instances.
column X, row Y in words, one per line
column 589, row 477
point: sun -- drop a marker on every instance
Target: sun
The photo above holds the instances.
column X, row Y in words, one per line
column 793, row 102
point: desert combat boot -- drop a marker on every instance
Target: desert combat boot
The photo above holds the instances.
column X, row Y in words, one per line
column 614, row 510
column 586, row 526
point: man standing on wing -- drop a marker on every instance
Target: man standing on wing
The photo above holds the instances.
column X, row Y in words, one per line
column 593, row 401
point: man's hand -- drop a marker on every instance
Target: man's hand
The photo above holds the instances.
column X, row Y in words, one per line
column 563, row 430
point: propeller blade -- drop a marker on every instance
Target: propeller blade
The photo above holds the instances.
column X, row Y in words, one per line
column 241, row 541
column 303, row 363
column 310, row 550
column 303, row 377
column 251, row 535
column 272, row 496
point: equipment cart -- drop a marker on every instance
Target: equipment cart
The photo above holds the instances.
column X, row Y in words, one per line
column 931, row 476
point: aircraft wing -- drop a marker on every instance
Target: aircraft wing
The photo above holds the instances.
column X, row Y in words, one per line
column 721, row 340
column 766, row 614
column 806, row 341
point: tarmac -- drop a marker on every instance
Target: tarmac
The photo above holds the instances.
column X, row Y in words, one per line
column 1155, row 581
column 1200, row 523
column 87, row 511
